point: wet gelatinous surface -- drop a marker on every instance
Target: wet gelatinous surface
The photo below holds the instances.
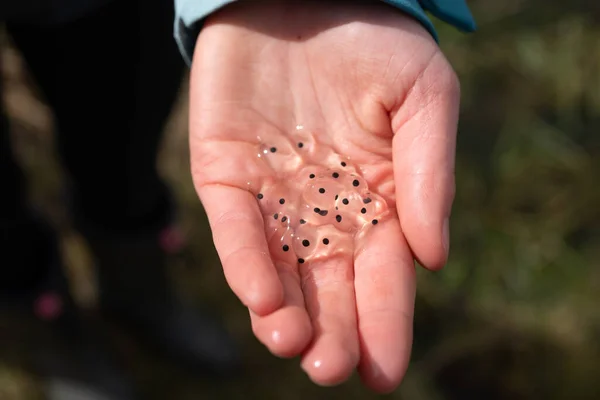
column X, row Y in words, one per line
column 318, row 205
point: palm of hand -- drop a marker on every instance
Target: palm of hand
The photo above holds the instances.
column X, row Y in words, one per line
column 362, row 82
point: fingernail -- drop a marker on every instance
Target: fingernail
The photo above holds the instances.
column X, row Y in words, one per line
column 446, row 235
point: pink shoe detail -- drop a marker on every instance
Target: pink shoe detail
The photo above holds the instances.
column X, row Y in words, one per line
column 172, row 240
column 48, row 306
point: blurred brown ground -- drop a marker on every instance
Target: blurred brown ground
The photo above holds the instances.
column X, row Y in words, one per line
column 514, row 315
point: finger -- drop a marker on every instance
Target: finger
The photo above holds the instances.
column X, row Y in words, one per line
column 424, row 150
column 328, row 287
column 385, row 296
column 287, row 331
column 238, row 233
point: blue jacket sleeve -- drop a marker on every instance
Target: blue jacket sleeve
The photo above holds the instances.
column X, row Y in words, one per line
column 189, row 15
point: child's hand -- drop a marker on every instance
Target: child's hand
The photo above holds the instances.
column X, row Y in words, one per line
column 370, row 87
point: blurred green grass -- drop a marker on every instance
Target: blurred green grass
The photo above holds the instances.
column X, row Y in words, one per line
column 515, row 313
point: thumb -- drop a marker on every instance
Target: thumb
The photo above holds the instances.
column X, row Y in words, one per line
column 424, row 148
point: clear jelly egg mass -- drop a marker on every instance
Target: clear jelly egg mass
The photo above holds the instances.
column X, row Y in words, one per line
column 318, row 205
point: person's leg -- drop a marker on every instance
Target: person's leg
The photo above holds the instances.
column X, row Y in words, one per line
column 112, row 82
column 30, row 265
column 111, row 91
column 21, row 269
column 34, row 291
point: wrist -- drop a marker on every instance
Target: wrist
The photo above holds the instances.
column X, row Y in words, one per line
column 192, row 14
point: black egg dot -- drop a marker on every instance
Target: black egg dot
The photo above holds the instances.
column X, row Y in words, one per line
column 300, row 145
column 301, row 260
column 259, row 196
column 325, row 241
column 302, row 221
column 281, row 201
column 275, row 216
column 321, row 190
column 362, row 211
column 317, row 210
column 283, row 219
column 367, row 200
column 286, row 247
column 273, row 149
column 305, row 243
column 343, row 164
column 338, row 218
column 323, row 213
column 355, row 183
column 337, row 196
column 374, row 222
column 335, row 175
column 311, row 176
column 345, row 201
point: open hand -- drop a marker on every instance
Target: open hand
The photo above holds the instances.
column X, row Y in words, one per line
column 366, row 84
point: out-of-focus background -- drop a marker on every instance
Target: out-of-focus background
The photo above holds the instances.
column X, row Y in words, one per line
column 515, row 314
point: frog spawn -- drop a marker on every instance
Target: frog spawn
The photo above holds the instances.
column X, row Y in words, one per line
column 319, row 210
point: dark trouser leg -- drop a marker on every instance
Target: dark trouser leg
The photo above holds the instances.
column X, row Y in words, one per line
column 70, row 353
column 25, row 241
column 14, row 196
column 113, row 78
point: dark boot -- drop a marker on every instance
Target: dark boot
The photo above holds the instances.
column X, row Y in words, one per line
column 135, row 291
column 69, row 351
